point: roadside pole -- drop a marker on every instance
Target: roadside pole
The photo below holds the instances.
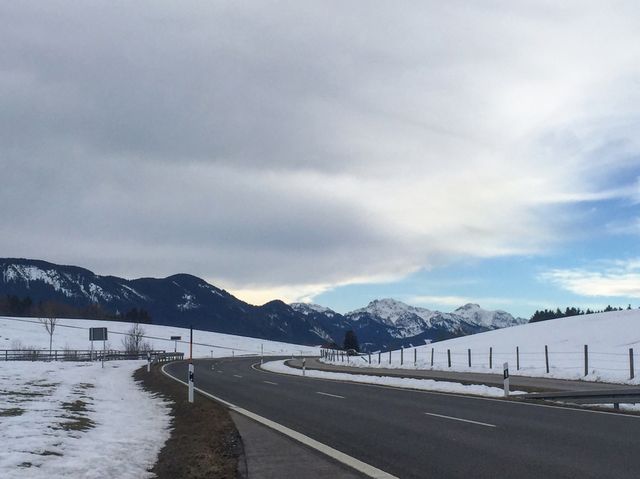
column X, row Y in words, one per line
column 304, row 366
column 191, row 364
column 261, row 354
column 148, row 362
column 505, row 375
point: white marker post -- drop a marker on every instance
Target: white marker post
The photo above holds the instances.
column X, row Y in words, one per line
column 190, row 382
column 148, row 362
column 190, row 365
column 505, row 375
column 261, row 354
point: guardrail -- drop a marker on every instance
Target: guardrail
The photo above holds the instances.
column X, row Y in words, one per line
column 604, row 396
column 167, row 357
column 74, row 355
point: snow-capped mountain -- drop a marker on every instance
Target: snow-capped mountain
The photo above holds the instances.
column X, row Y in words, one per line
column 406, row 321
column 473, row 313
column 310, row 308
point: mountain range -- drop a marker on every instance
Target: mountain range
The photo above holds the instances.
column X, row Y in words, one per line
column 185, row 300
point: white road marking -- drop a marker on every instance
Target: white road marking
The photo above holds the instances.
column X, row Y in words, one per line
column 366, row 469
column 269, row 382
column 460, row 419
column 332, row 395
column 220, row 372
column 237, row 376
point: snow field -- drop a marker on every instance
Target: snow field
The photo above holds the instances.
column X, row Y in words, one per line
column 609, row 336
column 69, row 419
column 74, row 334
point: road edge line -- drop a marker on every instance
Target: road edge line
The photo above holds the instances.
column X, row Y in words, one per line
column 352, row 462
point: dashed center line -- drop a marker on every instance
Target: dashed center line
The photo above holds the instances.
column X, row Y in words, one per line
column 220, row 372
column 269, row 382
column 331, row 395
column 460, row 419
column 237, row 376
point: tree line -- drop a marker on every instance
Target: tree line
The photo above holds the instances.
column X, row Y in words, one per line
column 12, row 305
column 546, row 314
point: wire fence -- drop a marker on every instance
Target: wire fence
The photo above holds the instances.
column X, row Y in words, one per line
column 600, row 365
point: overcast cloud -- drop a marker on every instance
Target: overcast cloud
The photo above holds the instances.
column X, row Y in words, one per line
column 283, row 148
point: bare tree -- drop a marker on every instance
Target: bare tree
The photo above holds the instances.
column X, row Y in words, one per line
column 49, row 323
column 134, row 341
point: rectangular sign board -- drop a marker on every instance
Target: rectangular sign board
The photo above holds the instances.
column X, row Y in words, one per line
column 176, row 338
column 97, row 334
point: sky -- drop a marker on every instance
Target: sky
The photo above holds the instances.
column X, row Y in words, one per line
column 335, row 152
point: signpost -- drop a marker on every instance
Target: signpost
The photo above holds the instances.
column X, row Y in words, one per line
column 99, row 334
column 175, row 340
column 505, row 375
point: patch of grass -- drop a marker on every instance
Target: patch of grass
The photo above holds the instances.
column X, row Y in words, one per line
column 76, row 406
column 21, row 393
column 50, row 453
column 86, row 386
column 15, row 411
column 25, row 464
column 42, row 384
column 77, row 423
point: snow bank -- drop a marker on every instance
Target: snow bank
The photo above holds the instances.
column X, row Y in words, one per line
column 407, row 383
column 609, row 336
column 78, row 420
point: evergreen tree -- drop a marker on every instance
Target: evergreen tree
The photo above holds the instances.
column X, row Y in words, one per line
column 351, row 341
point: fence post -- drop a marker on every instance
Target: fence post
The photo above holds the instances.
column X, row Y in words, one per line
column 389, row 357
column 369, row 358
column 431, row 357
column 491, row 358
column 546, row 357
column 586, row 359
column 415, row 357
column 401, row 355
column 449, row 357
column 517, row 358
column 379, row 356
column 631, row 372
column 469, row 354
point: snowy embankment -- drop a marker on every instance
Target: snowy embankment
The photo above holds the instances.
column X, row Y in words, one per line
column 608, row 337
column 405, row 383
column 78, row 420
column 74, row 334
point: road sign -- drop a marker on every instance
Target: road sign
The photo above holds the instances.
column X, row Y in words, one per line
column 97, row 334
column 176, row 338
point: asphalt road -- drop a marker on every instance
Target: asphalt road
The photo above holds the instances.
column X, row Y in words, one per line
column 413, row 434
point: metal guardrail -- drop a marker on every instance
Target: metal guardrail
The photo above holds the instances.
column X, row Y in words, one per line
column 603, row 396
column 167, row 357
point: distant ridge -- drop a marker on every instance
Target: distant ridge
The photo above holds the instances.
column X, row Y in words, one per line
column 185, row 300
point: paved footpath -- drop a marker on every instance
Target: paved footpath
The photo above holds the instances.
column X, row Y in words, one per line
column 522, row 383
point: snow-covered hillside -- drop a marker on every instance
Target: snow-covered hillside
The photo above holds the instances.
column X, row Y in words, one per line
column 609, row 336
column 74, row 334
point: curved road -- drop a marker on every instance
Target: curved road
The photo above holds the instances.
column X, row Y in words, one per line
column 412, row 434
